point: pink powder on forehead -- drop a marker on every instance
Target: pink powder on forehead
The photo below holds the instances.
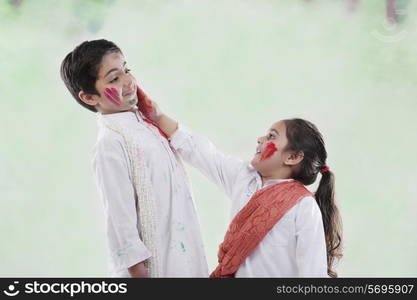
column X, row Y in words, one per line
column 269, row 150
column 113, row 95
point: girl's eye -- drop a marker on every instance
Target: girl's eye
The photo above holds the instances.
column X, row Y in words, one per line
column 270, row 136
column 114, row 80
column 127, row 71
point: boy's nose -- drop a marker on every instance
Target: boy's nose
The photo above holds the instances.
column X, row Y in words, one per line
column 129, row 84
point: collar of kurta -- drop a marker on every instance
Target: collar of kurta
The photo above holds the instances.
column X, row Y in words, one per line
column 273, row 181
column 129, row 116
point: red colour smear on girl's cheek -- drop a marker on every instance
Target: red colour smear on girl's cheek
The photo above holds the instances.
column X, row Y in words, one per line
column 112, row 95
column 269, row 150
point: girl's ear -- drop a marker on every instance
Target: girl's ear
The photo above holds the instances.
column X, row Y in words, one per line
column 90, row 99
column 294, row 158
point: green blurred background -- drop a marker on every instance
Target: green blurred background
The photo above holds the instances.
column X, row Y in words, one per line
column 228, row 70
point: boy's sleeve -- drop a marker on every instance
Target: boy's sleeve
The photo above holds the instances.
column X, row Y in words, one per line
column 117, row 193
column 204, row 156
column 311, row 255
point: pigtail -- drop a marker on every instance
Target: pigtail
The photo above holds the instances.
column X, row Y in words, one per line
column 325, row 197
column 304, row 136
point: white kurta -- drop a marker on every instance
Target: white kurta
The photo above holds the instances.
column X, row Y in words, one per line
column 295, row 246
column 178, row 236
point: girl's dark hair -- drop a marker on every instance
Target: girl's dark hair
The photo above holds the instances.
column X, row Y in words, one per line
column 79, row 69
column 304, row 136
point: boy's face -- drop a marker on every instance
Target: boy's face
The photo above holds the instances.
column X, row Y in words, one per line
column 116, row 86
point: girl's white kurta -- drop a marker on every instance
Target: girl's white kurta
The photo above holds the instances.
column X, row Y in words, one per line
column 295, row 246
column 178, row 237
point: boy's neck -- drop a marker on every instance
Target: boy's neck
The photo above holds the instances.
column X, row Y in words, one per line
column 133, row 109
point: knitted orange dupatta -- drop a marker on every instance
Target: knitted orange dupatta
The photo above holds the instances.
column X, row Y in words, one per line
column 254, row 221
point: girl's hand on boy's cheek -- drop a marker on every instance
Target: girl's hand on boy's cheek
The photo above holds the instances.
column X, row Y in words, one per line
column 148, row 107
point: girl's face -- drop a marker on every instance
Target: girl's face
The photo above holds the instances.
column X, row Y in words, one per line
column 269, row 156
column 116, row 85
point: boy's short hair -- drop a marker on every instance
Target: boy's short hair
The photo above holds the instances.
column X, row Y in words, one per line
column 79, row 69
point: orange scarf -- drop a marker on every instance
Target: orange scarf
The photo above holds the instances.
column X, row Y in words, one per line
column 254, row 221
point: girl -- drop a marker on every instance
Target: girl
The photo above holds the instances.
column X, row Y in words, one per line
column 278, row 228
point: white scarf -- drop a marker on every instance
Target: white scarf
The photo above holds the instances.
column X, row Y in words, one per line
column 146, row 206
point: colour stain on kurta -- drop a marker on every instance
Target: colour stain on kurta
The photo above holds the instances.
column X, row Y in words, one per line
column 182, row 247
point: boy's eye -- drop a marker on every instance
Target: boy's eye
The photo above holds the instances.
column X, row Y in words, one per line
column 270, row 136
column 127, row 71
column 114, row 80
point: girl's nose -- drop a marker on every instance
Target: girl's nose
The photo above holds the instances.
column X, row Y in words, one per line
column 261, row 139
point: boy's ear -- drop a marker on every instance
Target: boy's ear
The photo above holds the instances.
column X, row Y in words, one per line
column 90, row 99
column 294, row 158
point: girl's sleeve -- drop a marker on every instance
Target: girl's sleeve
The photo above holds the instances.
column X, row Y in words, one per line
column 117, row 194
column 199, row 152
column 311, row 255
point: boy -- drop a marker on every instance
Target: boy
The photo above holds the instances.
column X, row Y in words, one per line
column 151, row 221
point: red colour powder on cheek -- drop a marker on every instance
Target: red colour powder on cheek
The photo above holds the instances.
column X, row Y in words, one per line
column 113, row 95
column 269, row 150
